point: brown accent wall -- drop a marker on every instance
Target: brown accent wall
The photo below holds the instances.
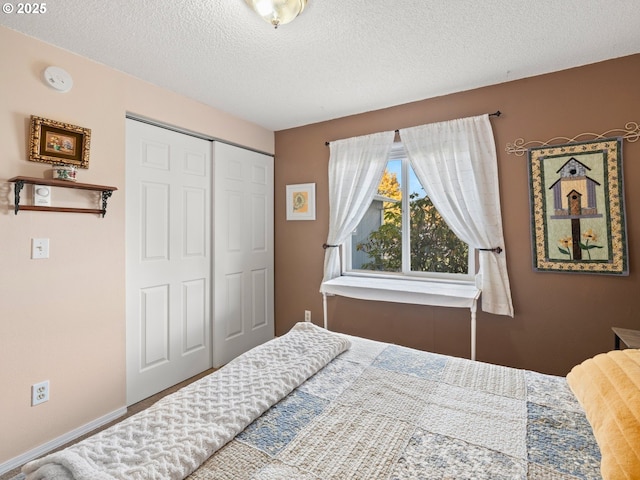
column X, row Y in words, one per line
column 560, row 319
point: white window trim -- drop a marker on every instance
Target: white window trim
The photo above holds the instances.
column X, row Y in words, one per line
column 398, row 152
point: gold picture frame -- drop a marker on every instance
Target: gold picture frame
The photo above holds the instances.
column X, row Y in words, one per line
column 577, row 208
column 59, row 143
column 301, row 201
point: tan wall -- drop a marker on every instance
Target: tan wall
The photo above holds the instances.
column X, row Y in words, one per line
column 560, row 319
column 62, row 319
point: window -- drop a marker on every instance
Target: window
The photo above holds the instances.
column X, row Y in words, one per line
column 403, row 234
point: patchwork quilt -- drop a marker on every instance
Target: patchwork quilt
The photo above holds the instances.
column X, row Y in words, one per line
column 306, row 406
column 380, row 411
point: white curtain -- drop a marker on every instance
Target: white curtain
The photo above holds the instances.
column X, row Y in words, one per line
column 456, row 163
column 356, row 166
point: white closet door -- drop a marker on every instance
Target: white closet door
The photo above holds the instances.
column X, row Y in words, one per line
column 243, row 264
column 168, row 235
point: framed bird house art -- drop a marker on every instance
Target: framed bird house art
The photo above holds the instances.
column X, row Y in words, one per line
column 577, row 208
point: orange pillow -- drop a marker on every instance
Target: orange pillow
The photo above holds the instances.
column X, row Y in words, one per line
column 608, row 388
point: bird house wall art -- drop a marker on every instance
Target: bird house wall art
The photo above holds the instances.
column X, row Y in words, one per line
column 577, row 208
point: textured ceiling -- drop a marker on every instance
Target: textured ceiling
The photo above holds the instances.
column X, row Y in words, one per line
column 340, row 57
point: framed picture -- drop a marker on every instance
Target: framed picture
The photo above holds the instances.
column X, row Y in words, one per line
column 301, row 201
column 59, row 143
column 577, row 208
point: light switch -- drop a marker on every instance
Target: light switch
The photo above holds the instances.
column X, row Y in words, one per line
column 39, row 248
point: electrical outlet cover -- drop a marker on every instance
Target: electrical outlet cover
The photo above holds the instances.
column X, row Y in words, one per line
column 39, row 393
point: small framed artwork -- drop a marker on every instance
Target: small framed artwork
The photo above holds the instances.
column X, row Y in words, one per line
column 577, row 208
column 59, row 143
column 301, row 201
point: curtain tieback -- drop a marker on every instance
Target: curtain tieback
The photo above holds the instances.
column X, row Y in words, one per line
column 494, row 250
column 325, row 246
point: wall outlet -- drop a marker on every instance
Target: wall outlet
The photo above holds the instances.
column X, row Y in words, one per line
column 307, row 315
column 39, row 393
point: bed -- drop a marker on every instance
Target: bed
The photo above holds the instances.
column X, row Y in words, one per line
column 316, row 405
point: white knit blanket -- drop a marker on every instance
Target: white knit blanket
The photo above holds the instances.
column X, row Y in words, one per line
column 176, row 435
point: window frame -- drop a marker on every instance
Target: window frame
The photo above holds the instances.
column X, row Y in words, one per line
column 398, row 153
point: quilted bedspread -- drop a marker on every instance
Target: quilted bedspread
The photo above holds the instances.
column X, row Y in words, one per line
column 380, row 411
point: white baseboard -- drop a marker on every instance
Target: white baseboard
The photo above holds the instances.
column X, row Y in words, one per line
column 61, row 440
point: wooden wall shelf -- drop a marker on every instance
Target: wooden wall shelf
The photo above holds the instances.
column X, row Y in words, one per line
column 20, row 182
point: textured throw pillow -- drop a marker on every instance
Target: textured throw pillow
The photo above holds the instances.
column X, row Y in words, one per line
column 608, row 388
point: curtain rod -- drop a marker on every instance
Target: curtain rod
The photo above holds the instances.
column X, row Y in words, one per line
column 494, row 114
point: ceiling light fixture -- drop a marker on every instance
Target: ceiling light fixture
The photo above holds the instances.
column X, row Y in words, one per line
column 277, row 12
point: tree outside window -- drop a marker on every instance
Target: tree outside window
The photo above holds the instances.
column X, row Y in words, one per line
column 432, row 246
